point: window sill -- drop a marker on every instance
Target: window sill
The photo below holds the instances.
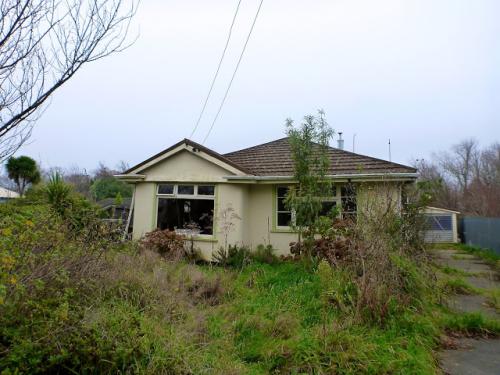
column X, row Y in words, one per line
column 202, row 239
column 284, row 230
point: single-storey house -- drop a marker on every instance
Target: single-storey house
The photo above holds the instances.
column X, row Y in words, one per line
column 238, row 197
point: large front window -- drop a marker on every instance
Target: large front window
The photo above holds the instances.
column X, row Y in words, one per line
column 186, row 208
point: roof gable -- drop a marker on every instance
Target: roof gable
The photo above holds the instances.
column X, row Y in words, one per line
column 275, row 159
column 193, row 147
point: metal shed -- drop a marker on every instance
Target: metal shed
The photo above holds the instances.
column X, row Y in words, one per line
column 441, row 225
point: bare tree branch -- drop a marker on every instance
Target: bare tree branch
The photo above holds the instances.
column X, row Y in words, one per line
column 43, row 43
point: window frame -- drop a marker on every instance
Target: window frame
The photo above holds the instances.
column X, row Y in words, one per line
column 336, row 197
column 277, row 211
column 341, row 197
column 195, row 196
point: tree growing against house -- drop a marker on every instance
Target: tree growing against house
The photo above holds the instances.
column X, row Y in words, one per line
column 309, row 144
column 23, row 171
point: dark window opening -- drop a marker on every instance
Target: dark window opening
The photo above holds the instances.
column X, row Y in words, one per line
column 165, row 189
column 284, row 217
column 349, row 202
column 185, row 189
column 206, row 190
column 328, row 208
column 175, row 213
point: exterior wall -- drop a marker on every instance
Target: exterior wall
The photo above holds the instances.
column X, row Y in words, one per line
column 374, row 197
column 230, row 200
column 186, row 166
column 144, row 209
column 262, row 229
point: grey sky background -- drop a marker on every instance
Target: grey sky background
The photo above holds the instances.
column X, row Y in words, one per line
column 424, row 73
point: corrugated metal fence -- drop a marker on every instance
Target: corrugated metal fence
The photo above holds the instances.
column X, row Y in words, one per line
column 481, row 231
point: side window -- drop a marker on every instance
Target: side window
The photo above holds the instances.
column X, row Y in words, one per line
column 349, row 201
column 283, row 215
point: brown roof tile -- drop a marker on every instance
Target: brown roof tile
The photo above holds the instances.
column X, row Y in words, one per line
column 275, row 159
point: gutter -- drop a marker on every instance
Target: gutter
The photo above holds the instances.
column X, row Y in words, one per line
column 404, row 176
column 130, row 177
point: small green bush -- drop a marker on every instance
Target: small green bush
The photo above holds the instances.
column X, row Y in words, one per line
column 235, row 256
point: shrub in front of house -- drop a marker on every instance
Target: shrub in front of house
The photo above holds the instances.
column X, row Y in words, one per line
column 167, row 243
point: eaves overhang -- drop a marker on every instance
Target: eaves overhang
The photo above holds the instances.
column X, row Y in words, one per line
column 340, row 177
column 131, row 178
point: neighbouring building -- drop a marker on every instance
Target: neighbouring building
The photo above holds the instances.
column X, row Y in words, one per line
column 239, row 196
column 441, row 225
column 6, row 194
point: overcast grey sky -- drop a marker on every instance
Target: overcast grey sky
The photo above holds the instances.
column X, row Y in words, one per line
column 424, row 73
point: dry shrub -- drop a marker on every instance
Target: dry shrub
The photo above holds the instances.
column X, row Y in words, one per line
column 381, row 254
column 167, row 243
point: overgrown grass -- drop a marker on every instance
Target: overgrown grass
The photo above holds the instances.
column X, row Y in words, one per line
column 452, row 271
column 459, row 286
column 74, row 303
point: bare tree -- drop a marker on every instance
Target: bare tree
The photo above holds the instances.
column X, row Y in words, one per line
column 122, row 166
column 79, row 179
column 466, row 178
column 43, row 43
column 461, row 163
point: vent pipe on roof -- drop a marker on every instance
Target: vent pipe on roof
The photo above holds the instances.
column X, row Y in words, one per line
column 340, row 142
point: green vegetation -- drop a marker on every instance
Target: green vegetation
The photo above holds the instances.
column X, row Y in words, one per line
column 73, row 298
column 453, row 271
column 309, row 145
column 459, row 286
column 489, row 256
column 23, row 171
column 110, row 187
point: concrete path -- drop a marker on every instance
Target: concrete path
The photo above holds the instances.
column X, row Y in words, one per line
column 471, row 356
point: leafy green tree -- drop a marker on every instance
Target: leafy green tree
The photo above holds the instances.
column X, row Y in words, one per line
column 23, row 171
column 309, row 146
column 109, row 187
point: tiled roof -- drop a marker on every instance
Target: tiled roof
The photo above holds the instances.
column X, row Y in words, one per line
column 275, row 159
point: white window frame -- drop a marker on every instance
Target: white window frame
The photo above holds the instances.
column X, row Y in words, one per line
column 194, row 196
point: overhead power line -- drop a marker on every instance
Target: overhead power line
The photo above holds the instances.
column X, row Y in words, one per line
column 234, row 73
column 217, row 71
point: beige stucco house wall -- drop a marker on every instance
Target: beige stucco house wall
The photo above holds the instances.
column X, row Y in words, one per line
column 248, row 202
